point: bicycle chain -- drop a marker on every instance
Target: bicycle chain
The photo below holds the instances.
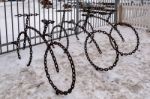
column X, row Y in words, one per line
column 91, row 62
column 53, row 56
column 137, row 37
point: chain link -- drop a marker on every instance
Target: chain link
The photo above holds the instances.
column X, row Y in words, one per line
column 58, row 91
column 137, row 39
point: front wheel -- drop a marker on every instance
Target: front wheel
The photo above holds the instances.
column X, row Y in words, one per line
column 49, row 49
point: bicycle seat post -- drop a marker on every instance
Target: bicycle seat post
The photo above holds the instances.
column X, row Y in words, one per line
column 45, row 28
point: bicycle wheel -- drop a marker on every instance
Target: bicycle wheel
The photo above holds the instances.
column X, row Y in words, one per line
column 91, row 61
column 126, row 47
column 49, row 49
column 30, row 46
column 58, row 32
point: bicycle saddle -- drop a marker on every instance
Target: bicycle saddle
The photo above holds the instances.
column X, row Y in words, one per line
column 48, row 21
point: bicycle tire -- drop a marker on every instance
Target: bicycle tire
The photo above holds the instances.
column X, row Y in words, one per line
column 58, row 91
column 137, row 39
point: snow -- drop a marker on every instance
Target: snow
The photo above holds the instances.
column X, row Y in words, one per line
column 128, row 80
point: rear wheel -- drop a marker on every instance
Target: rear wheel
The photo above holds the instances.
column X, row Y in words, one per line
column 130, row 35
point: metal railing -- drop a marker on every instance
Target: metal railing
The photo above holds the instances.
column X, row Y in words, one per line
column 136, row 14
column 11, row 26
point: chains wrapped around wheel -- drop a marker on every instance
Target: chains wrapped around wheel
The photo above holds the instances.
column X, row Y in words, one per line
column 49, row 49
column 61, row 29
column 137, row 39
column 91, row 62
column 18, row 46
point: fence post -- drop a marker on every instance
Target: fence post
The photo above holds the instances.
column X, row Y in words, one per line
column 0, row 43
column 142, row 2
column 77, row 14
column 116, row 8
column 119, row 13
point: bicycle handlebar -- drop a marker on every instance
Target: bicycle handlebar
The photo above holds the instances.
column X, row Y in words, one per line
column 25, row 15
column 67, row 10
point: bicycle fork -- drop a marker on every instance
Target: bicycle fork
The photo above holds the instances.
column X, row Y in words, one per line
column 25, row 32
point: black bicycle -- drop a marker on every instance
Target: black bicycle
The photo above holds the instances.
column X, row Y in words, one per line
column 117, row 27
column 49, row 49
column 84, row 28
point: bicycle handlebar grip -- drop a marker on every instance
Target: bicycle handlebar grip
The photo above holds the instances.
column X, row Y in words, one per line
column 19, row 15
column 35, row 14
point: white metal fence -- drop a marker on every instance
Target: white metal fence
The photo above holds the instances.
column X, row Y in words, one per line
column 135, row 14
column 11, row 26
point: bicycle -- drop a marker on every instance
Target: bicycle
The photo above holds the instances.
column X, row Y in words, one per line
column 90, row 13
column 52, row 43
column 89, row 35
column 109, row 12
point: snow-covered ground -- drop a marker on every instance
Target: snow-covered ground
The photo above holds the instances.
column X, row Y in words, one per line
column 128, row 80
